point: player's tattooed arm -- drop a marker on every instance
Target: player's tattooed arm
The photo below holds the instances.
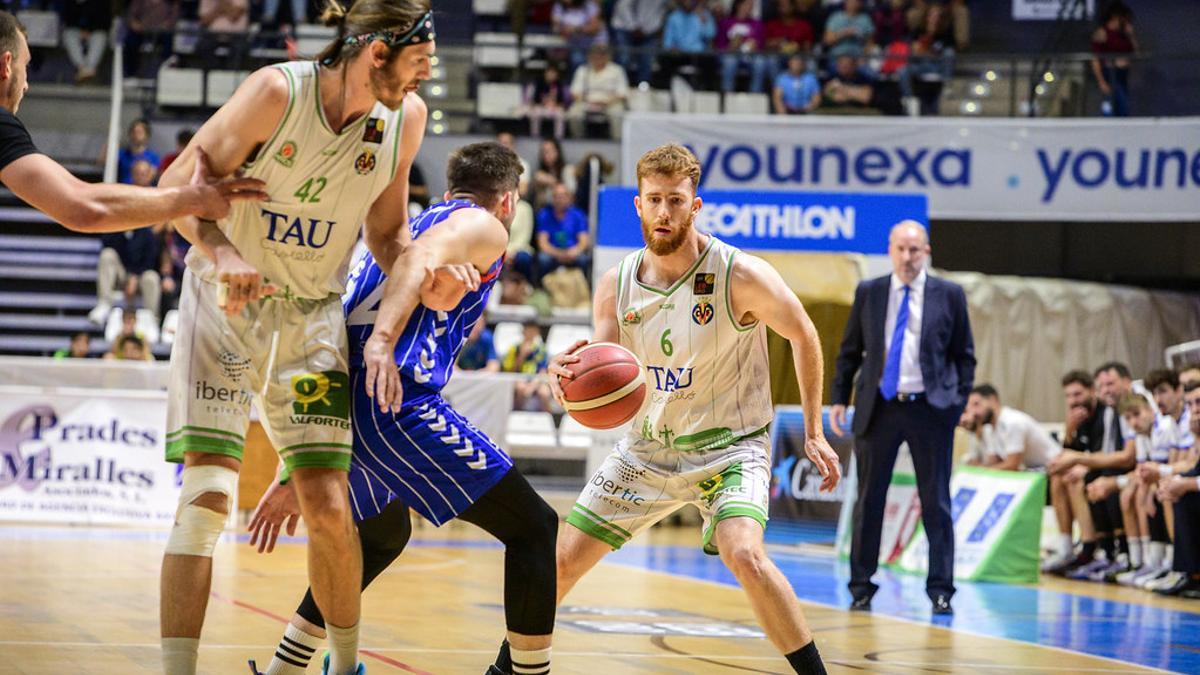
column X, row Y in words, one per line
column 471, row 240
column 386, row 232
column 759, row 293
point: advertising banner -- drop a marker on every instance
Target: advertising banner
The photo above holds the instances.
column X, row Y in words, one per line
column 970, row 168
column 997, row 526
column 83, row 456
column 1052, row 10
column 795, row 482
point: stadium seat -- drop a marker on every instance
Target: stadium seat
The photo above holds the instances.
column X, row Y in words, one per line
column 170, row 325
column 312, row 38
column 41, row 28
column 499, row 100
column 562, row 336
column 222, row 84
column 147, row 325
column 706, row 103
column 531, row 434
column 489, row 7
column 180, row 86
column 649, row 100
column 747, row 104
column 505, row 336
column 574, row 436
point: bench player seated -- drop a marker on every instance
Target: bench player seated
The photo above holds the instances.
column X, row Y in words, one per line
column 1009, row 439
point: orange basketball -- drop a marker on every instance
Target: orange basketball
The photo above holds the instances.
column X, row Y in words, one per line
column 608, row 388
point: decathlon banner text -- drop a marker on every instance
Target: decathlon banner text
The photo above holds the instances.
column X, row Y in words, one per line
column 972, row 169
column 774, row 221
column 80, row 456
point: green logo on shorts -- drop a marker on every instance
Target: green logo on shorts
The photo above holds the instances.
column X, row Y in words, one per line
column 728, row 479
column 323, row 394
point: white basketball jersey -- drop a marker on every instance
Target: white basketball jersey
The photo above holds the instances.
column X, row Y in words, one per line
column 321, row 185
column 707, row 376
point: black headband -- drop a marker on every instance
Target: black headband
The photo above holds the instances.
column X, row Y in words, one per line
column 422, row 31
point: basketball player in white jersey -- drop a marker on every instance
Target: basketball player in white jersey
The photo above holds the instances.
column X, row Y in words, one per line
column 333, row 139
column 695, row 312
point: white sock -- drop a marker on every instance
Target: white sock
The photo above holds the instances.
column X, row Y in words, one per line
column 179, row 655
column 533, row 662
column 1135, row 551
column 1158, row 550
column 343, row 649
column 1169, row 557
column 293, row 653
column 1065, row 546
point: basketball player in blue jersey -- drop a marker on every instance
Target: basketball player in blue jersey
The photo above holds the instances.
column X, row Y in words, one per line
column 408, row 442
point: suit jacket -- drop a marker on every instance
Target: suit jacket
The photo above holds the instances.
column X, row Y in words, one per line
column 947, row 353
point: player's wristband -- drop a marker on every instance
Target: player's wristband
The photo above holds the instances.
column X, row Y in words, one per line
column 1165, row 470
column 285, row 476
column 1122, row 481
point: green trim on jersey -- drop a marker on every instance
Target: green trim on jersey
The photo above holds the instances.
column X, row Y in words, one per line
column 264, row 151
column 205, row 444
column 204, row 430
column 678, row 282
column 753, row 512
column 590, row 527
column 729, row 296
column 317, row 460
column 712, row 439
column 321, row 110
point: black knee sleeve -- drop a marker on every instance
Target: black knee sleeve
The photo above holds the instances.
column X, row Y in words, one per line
column 513, row 513
column 383, row 538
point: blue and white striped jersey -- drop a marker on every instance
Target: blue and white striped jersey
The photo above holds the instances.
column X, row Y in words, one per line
column 432, row 339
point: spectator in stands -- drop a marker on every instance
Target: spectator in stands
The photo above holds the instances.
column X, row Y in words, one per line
column 181, row 140
column 549, row 100
column 813, row 12
column 509, row 141
column 529, row 357
column 689, row 31
column 129, row 263
column 954, row 22
column 637, row 27
column 418, row 191
column 1011, row 439
column 891, row 23
column 932, row 62
column 136, row 149
column 90, row 207
column 150, row 23
column 589, row 163
column 552, row 170
column 1113, row 43
column 599, row 90
column 171, row 266
column 1180, row 492
column 741, row 38
column 86, row 20
column 225, row 23
column 796, row 91
column 479, row 352
column 849, row 32
column 80, row 347
column 849, row 87
column 581, row 25
column 129, row 348
column 520, row 254
column 786, row 35
column 299, row 14
column 1084, row 459
column 562, row 235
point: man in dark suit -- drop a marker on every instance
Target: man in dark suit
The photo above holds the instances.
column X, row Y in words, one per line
column 909, row 340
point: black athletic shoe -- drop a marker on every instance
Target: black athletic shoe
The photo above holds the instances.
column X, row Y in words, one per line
column 493, row 670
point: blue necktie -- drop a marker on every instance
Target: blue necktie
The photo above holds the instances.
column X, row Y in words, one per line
column 891, row 368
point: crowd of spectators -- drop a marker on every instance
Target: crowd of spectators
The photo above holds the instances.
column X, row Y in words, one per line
column 1124, row 473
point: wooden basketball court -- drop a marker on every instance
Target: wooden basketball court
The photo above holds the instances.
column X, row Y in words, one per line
column 84, row 600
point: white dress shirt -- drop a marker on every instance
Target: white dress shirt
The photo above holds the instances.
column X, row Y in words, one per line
column 911, row 381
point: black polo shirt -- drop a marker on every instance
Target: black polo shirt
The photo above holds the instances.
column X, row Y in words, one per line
column 15, row 142
column 1089, row 437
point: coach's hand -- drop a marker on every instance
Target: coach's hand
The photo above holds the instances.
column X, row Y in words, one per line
column 383, row 375
column 826, row 461
column 213, row 196
column 279, row 504
column 837, row 419
column 240, row 283
column 558, row 368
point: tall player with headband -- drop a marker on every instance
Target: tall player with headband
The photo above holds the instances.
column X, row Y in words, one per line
column 261, row 315
column 695, row 311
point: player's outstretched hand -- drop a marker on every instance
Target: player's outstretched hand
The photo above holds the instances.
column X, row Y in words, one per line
column 383, row 375
column 558, row 368
column 240, row 284
column 277, row 506
column 445, row 287
column 214, row 196
column 826, row 461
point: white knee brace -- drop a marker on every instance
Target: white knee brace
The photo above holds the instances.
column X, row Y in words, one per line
column 197, row 528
